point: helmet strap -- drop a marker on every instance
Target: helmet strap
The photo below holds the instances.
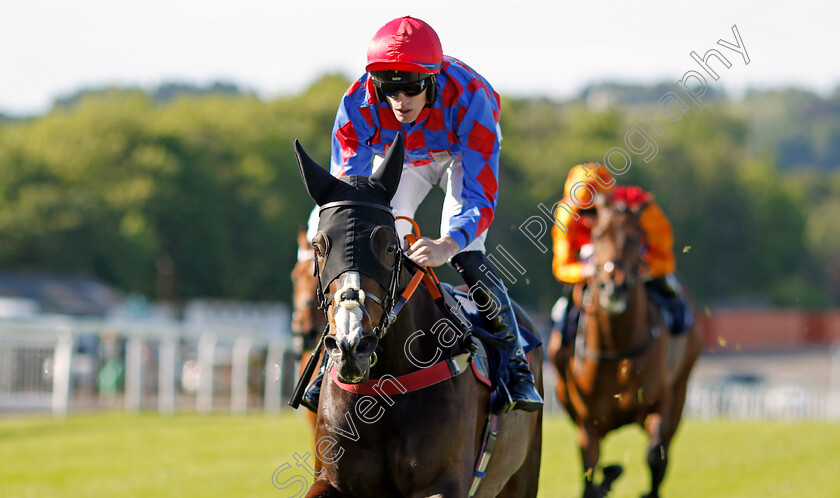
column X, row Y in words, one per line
column 431, row 92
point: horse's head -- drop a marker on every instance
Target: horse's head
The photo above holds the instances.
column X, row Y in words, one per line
column 618, row 240
column 307, row 319
column 357, row 252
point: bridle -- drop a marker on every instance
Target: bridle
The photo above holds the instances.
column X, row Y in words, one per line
column 388, row 304
column 631, row 275
column 632, row 278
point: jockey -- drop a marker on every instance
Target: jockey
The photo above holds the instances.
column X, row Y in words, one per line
column 573, row 250
column 449, row 118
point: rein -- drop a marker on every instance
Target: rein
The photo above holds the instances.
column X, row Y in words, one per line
column 584, row 301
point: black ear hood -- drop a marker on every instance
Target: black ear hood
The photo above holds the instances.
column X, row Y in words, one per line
column 352, row 207
column 379, row 187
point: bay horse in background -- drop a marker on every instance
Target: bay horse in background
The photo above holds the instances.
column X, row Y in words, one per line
column 307, row 320
column 625, row 367
column 383, row 427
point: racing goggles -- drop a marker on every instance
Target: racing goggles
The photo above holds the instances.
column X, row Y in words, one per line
column 409, row 88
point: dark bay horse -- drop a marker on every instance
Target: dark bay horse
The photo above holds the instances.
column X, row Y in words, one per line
column 307, row 320
column 626, row 367
column 401, row 413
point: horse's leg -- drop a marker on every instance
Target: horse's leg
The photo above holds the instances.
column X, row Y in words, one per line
column 555, row 348
column 436, row 493
column 657, row 456
column 590, row 449
column 525, row 481
column 692, row 351
column 670, row 419
column 322, row 488
column 677, row 404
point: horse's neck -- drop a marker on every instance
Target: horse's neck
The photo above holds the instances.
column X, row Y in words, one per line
column 628, row 329
column 413, row 339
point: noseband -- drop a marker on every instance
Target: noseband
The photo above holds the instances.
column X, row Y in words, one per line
column 631, row 277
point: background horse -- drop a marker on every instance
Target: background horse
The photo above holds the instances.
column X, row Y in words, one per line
column 378, row 437
column 626, row 367
column 307, row 320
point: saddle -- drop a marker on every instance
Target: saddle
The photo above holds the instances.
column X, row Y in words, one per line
column 487, row 361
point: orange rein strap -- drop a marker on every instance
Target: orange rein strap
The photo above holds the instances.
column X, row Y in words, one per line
column 424, row 273
column 432, row 282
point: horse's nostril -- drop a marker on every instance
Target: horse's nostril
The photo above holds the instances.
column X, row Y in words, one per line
column 366, row 346
column 330, row 343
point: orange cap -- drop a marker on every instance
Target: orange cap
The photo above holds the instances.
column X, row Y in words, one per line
column 596, row 179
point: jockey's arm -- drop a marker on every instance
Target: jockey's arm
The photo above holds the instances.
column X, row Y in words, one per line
column 659, row 238
column 478, row 132
column 565, row 265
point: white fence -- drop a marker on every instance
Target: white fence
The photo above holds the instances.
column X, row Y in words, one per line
column 235, row 358
column 238, row 358
column 780, row 402
column 745, row 397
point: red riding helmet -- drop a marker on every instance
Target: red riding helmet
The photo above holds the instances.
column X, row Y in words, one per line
column 405, row 44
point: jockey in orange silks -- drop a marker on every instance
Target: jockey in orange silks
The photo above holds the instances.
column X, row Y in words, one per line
column 573, row 250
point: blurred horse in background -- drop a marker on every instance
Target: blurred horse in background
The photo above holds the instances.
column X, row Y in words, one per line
column 307, row 320
column 626, row 367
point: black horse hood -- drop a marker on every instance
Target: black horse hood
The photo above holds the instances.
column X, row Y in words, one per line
column 352, row 208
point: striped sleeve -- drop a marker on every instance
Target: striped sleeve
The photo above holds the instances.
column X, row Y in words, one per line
column 477, row 129
column 350, row 152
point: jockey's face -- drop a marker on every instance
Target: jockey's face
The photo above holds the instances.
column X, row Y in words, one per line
column 406, row 108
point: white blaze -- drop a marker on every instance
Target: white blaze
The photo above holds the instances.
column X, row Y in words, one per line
column 348, row 315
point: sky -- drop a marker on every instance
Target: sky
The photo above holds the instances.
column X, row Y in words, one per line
column 52, row 48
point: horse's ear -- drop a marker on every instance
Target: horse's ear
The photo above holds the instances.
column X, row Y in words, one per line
column 602, row 200
column 388, row 175
column 317, row 180
column 301, row 237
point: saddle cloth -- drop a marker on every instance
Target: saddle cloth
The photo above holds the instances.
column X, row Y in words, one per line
column 490, row 362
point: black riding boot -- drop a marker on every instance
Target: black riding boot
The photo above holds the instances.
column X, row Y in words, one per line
column 666, row 292
column 313, row 393
column 474, row 268
column 313, row 390
column 565, row 315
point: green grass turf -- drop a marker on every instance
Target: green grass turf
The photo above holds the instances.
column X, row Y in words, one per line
column 116, row 454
